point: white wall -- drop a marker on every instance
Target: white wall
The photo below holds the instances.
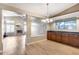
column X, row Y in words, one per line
column 30, row 37
column 1, row 44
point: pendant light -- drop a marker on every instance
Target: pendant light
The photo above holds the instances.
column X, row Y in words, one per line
column 47, row 19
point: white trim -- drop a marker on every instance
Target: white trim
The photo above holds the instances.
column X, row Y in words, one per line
column 70, row 15
column 35, row 42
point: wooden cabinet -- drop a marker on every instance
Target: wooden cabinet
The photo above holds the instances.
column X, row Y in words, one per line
column 58, row 37
column 53, row 36
column 74, row 39
column 49, row 35
column 70, row 38
column 65, row 38
column 77, row 41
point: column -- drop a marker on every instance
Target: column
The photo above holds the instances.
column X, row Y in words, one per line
column 28, row 33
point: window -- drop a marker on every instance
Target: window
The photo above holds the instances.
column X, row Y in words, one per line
column 60, row 25
column 37, row 27
column 9, row 26
column 70, row 25
column 66, row 25
column 34, row 29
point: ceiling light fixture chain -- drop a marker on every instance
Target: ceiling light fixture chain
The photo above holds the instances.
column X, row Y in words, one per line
column 47, row 19
column 47, row 9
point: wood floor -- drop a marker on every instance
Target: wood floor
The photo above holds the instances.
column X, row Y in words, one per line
column 50, row 48
column 14, row 45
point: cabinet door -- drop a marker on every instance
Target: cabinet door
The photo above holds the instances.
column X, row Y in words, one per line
column 77, row 40
column 65, row 38
column 49, row 35
column 53, row 36
column 58, row 36
column 74, row 39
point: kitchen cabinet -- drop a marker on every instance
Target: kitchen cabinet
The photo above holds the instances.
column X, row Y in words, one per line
column 70, row 38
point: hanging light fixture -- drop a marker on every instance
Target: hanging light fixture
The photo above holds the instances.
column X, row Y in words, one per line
column 47, row 19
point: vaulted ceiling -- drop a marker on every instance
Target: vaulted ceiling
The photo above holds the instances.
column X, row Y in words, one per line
column 40, row 9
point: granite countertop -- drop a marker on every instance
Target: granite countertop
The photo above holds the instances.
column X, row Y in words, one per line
column 64, row 31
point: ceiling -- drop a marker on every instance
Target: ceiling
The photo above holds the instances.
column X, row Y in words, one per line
column 40, row 9
column 9, row 13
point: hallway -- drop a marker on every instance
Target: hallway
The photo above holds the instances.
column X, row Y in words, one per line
column 14, row 45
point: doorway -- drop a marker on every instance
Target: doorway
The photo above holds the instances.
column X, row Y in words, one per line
column 14, row 32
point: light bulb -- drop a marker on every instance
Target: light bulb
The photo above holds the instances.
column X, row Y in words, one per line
column 51, row 20
column 43, row 21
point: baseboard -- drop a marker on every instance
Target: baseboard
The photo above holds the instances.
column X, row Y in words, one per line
column 36, row 42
